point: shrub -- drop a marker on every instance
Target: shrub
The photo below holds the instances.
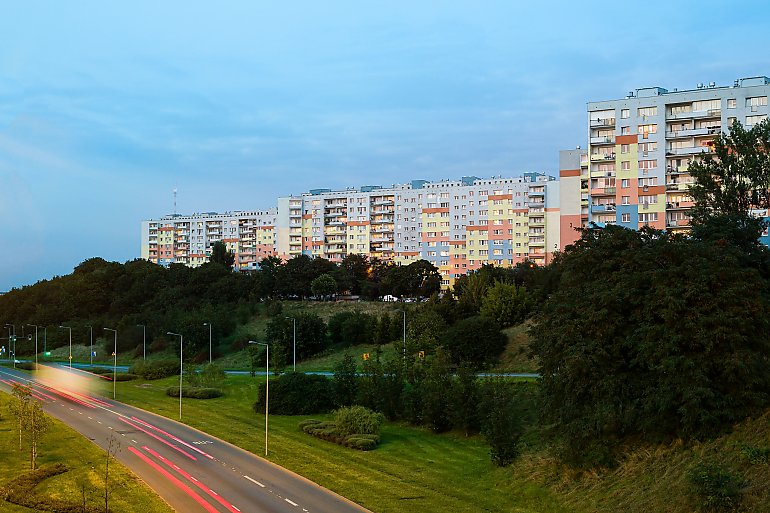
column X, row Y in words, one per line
column 29, row 366
column 756, row 455
column 501, row 422
column 357, row 420
column 296, row 393
column 100, row 370
column 195, row 392
column 155, row 369
column 329, row 431
column 126, row 377
column 718, row 488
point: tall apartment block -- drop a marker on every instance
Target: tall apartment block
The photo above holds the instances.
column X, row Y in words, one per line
column 640, row 148
column 458, row 225
column 188, row 239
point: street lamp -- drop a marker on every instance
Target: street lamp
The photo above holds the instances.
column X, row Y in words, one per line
column 45, row 340
column 35, row 326
column 294, row 321
column 267, row 384
column 115, row 361
column 12, row 338
column 181, row 339
column 91, row 331
column 68, row 328
column 209, row 325
column 144, row 340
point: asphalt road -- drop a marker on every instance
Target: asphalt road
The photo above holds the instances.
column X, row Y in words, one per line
column 189, row 469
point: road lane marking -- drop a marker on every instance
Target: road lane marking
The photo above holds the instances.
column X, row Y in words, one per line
column 172, row 437
column 200, row 485
column 99, row 421
column 255, row 482
column 200, row 500
column 158, row 438
column 291, row 502
column 134, row 441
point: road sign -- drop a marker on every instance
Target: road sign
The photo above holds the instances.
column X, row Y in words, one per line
column 93, row 353
column 47, row 353
column 113, row 354
column 366, row 356
column 421, row 354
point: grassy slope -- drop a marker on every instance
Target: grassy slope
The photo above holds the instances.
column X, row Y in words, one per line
column 412, row 471
column 86, row 461
column 515, row 357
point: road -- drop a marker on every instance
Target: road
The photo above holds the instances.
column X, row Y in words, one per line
column 191, row 470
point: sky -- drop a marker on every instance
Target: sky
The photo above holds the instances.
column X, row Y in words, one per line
column 106, row 107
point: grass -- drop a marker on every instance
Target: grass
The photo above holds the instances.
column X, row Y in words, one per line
column 412, row 470
column 515, row 358
column 86, row 463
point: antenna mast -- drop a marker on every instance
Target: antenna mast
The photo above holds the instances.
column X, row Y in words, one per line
column 174, row 191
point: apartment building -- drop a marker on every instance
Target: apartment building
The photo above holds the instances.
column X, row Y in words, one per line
column 640, row 148
column 187, row 240
column 458, row 225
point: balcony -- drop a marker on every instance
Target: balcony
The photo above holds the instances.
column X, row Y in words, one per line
column 692, row 132
column 598, row 157
column 713, row 113
column 602, row 122
column 680, row 205
column 382, row 202
column 536, row 204
column 603, row 140
column 334, row 214
column 690, row 150
column 603, row 207
column 677, row 223
column 382, row 211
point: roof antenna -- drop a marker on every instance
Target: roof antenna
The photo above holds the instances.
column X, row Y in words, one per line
column 174, row 191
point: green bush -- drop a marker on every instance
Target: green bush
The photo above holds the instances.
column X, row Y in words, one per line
column 357, row 420
column 19, row 491
column 329, row 431
column 717, row 488
column 99, row 370
column 29, row 366
column 756, row 455
column 126, row 377
column 155, row 369
column 295, row 393
column 195, row 392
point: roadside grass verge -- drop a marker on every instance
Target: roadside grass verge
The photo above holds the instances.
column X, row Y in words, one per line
column 412, row 470
column 86, row 468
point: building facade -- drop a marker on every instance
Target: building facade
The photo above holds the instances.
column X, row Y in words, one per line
column 458, row 225
column 640, row 148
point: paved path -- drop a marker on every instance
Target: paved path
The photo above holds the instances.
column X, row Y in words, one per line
column 189, row 469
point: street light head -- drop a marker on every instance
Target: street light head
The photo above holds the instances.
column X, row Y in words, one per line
column 205, row 324
column 253, row 342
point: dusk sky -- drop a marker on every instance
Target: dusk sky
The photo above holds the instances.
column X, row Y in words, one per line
column 104, row 109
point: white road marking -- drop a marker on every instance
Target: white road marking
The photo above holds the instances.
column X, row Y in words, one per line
column 255, row 482
column 134, row 441
column 291, row 502
column 235, row 508
column 89, row 418
column 72, row 409
column 99, row 421
column 191, row 477
column 212, row 491
column 80, row 413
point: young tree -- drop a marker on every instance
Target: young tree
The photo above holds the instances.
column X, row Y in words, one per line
column 506, row 304
column 36, row 425
column 19, row 407
column 476, row 341
column 113, row 447
column 500, row 423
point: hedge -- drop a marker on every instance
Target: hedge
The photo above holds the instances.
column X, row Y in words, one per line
column 327, row 430
column 295, row 393
column 155, row 369
column 195, row 392
column 19, row 491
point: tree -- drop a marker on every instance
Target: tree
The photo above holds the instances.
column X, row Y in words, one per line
column 220, row 255
column 465, row 398
column 649, row 335
column 113, row 447
column 475, row 341
column 436, row 391
column 730, row 184
column 254, row 352
column 506, row 304
column 36, row 424
column 20, row 406
column 500, row 422
column 345, row 381
column 323, row 286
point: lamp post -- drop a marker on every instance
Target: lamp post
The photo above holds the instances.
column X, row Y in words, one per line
column 12, row 338
column 91, row 331
column 144, row 340
column 68, row 328
column 404, row 311
column 115, row 361
column 267, row 384
column 181, row 339
column 294, row 321
column 35, row 326
column 209, row 325
column 45, row 340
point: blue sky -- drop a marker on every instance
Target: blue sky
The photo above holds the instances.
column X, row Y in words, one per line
column 105, row 108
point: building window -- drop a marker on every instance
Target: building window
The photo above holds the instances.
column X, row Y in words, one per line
column 625, row 165
column 625, row 218
column 625, row 113
column 624, row 148
column 626, row 200
column 625, row 130
column 753, row 120
column 757, row 101
column 648, row 111
column 731, row 103
column 624, row 183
